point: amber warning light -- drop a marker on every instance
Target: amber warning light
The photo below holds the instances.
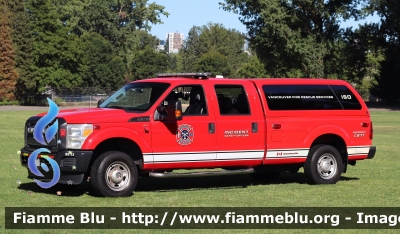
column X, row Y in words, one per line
column 178, row 114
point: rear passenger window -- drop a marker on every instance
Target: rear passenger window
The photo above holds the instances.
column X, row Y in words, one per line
column 346, row 97
column 232, row 100
column 300, row 97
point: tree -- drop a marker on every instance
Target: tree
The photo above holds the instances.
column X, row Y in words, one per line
column 145, row 40
column 388, row 82
column 22, row 40
column 215, row 63
column 116, row 20
column 252, row 69
column 112, row 19
column 8, row 73
column 101, row 67
column 148, row 63
column 175, row 63
column 191, row 49
column 347, row 57
column 142, row 40
column 389, row 11
column 56, row 50
column 386, row 35
column 213, row 38
column 294, row 35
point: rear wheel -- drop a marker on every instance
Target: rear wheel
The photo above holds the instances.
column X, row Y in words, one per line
column 324, row 165
column 114, row 174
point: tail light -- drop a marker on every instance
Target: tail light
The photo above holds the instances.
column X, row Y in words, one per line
column 371, row 132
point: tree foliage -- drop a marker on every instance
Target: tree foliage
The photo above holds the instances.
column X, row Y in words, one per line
column 75, row 43
column 53, row 47
column 215, row 63
column 386, row 40
column 388, row 82
column 175, row 63
column 213, row 38
column 294, row 35
column 57, row 51
column 22, row 41
column 8, row 73
column 389, row 27
column 252, row 69
column 116, row 20
column 101, row 68
column 104, row 43
column 148, row 63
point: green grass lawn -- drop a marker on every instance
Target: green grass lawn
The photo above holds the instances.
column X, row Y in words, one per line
column 371, row 183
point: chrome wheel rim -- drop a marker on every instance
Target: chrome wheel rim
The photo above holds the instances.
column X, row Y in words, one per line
column 118, row 176
column 327, row 166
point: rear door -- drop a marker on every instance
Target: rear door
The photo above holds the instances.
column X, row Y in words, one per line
column 239, row 123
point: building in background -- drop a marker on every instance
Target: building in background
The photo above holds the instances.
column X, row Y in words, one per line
column 174, row 42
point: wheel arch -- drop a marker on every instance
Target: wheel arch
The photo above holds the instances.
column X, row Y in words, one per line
column 117, row 139
column 121, row 144
column 336, row 141
column 125, row 145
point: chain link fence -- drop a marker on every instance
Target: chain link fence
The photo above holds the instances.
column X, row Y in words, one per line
column 76, row 96
column 80, row 96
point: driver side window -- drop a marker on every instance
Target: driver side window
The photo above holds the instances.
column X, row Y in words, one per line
column 192, row 98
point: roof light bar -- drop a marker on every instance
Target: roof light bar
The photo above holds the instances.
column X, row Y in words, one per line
column 197, row 75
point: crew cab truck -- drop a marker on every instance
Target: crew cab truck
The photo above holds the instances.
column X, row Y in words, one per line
column 156, row 126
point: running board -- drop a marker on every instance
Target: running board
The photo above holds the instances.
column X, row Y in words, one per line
column 201, row 173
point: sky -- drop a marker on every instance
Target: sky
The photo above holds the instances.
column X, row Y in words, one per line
column 184, row 14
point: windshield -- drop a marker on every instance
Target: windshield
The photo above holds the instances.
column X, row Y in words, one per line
column 136, row 96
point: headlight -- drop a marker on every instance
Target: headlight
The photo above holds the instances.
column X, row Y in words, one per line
column 77, row 134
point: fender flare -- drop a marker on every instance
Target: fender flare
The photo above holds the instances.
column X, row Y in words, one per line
column 329, row 129
column 324, row 130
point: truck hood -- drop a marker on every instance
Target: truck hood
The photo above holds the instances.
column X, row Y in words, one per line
column 96, row 115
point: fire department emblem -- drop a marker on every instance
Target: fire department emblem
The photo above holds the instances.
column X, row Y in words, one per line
column 184, row 134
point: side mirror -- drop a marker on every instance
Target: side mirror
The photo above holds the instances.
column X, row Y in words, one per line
column 172, row 112
column 99, row 102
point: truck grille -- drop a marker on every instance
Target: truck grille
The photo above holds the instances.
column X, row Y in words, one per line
column 30, row 142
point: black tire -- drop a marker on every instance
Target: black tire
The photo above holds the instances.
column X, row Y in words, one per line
column 324, row 165
column 114, row 174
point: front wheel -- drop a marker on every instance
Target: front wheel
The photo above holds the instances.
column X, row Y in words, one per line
column 324, row 165
column 114, row 174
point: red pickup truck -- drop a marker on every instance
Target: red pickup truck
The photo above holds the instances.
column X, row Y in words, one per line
column 154, row 126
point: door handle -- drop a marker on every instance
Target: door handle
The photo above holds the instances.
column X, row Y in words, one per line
column 211, row 128
column 276, row 126
column 254, row 127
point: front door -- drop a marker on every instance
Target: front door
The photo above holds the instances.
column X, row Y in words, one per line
column 187, row 143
